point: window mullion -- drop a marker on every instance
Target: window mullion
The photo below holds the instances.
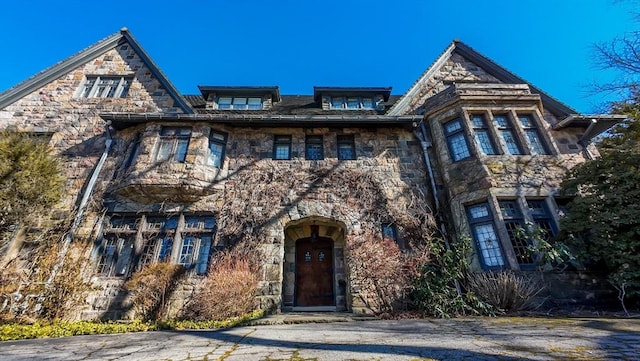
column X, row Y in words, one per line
column 521, row 137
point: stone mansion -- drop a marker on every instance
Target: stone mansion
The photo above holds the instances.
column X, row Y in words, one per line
column 155, row 175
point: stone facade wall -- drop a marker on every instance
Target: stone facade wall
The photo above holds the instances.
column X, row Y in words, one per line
column 455, row 69
column 490, row 178
column 392, row 157
column 78, row 131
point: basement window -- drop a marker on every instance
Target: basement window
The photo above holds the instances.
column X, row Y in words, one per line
column 105, row 87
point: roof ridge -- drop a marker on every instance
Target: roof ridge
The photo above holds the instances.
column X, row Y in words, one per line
column 157, row 72
column 439, row 58
column 558, row 106
column 79, row 58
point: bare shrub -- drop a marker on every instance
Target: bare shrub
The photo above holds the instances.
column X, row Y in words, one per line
column 10, row 279
column 378, row 268
column 69, row 288
column 228, row 290
column 151, row 288
column 505, row 290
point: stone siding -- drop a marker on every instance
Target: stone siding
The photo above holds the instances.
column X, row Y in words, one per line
column 391, row 156
column 78, row 131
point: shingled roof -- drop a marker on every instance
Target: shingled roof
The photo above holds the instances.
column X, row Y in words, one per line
column 290, row 105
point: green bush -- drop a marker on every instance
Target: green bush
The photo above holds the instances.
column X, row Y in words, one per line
column 436, row 291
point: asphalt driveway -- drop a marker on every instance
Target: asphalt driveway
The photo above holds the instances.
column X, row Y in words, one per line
column 458, row 339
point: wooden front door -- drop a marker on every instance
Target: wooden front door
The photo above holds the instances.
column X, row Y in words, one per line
column 314, row 272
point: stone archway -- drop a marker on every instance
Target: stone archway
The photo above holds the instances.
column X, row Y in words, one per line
column 308, row 244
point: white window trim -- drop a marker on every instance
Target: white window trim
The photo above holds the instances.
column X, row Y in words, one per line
column 345, row 103
column 120, row 92
column 245, row 105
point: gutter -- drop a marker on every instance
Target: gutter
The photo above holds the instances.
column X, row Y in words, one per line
column 121, row 121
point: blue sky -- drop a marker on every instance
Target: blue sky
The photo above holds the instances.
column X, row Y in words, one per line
column 297, row 44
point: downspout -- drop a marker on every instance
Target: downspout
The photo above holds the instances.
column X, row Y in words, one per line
column 81, row 208
column 585, row 140
column 426, row 144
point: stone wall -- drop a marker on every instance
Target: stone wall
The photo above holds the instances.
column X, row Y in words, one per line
column 270, row 194
column 78, row 131
column 455, row 69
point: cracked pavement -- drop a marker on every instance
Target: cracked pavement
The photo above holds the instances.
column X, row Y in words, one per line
column 454, row 339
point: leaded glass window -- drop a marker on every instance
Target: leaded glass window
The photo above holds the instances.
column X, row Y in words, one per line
column 531, row 133
column 514, row 223
column 483, row 135
column 314, row 147
column 484, row 234
column 282, row 147
column 456, row 140
column 506, row 132
column 346, row 147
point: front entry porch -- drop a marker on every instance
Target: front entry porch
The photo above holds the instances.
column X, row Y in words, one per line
column 314, row 268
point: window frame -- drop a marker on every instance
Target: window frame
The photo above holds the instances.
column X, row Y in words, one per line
column 389, row 231
column 284, row 141
column 485, row 253
column 160, row 238
column 345, row 141
column 551, row 227
column 239, row 103
column 483, row 128
column 119, row 236
column 174, row 144
column 345, row 102
column 537, row 145
column 214, row 141
column 456, row 135
column 105, row 86
column 514, row 224
column 312, row 141
column 507, row 128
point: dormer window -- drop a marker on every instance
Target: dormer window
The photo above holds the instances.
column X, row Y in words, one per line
column 351, row 103
column 240, row 103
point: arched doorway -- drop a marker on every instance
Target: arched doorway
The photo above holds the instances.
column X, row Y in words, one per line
column 314, row 272
column 314, row 277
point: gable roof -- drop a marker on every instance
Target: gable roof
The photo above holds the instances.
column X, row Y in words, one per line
column 54, row 72
column 553, row 105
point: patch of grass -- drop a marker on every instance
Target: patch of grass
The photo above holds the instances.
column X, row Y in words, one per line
column 68, row 328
